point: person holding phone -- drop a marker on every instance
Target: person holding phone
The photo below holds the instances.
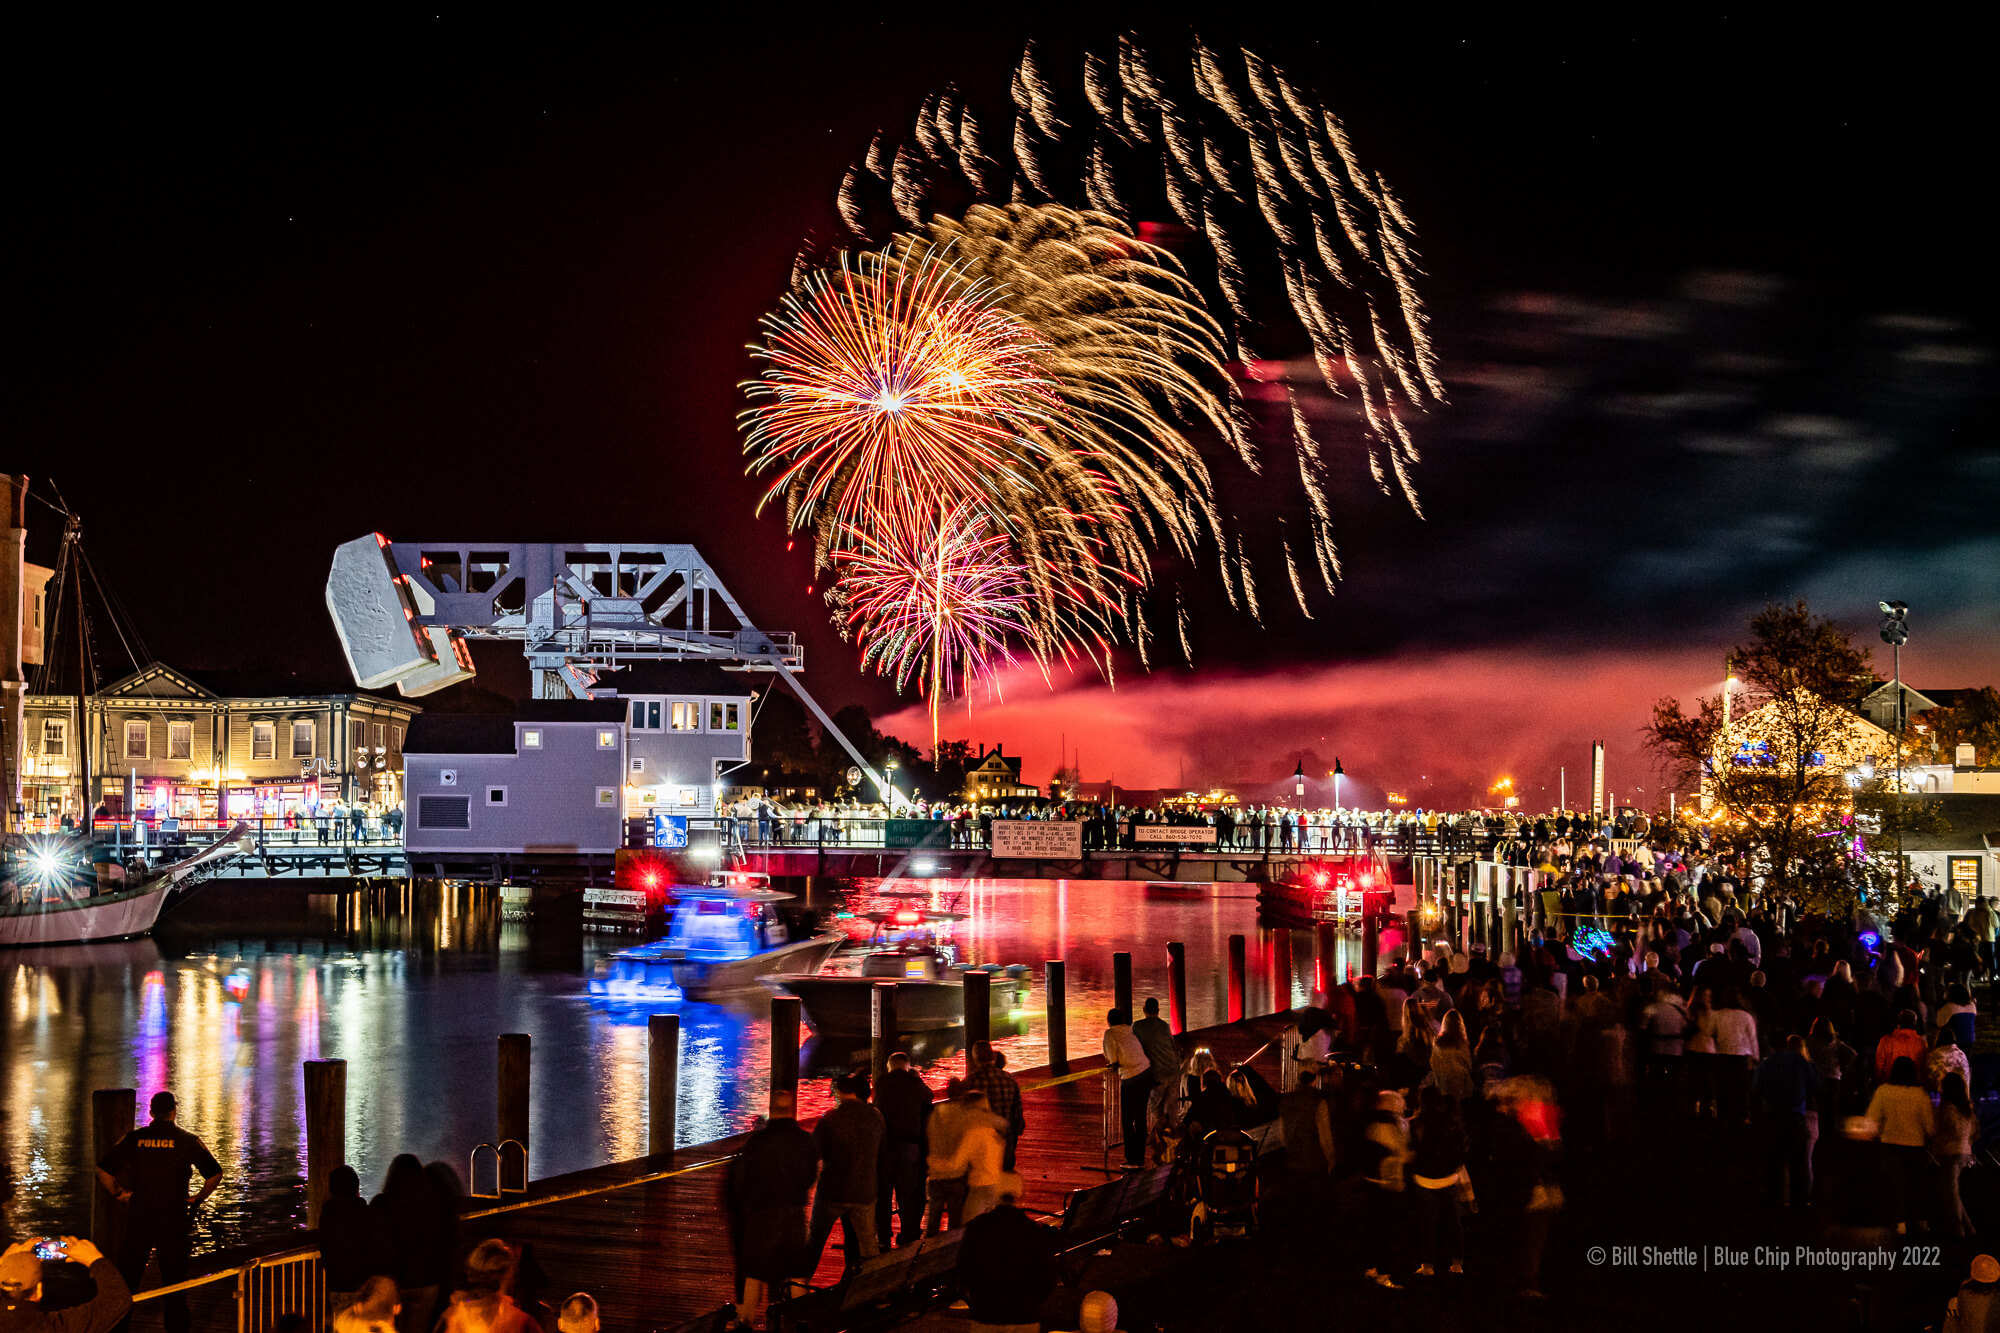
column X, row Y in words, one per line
column 148, row 1169
column 21, row 1288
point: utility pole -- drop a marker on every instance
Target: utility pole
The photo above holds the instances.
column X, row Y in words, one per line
column 1895, row 633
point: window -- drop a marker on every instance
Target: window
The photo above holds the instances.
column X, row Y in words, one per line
column 302, row 740
column 607, row 798
column 687, row 717
column 638, row 765
column 135, row 740
column 607, row 740
column 396, row 739
column 263, row 740
column 381, row 738
column 645, row 715
column 496, row 796
column 55, row 738
column 689, row 796
column 180, row 740
column 531, row 739
column 357, row 736
column 722, row 717
column 444, row 812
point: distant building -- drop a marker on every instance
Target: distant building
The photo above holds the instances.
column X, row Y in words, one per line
column 995, row 777
column 214, row 745
column 547, row 778
column 687, row 728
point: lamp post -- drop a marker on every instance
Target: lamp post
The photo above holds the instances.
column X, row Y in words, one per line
column 1299, row 784
column 1895, row 633
column 1338, row 774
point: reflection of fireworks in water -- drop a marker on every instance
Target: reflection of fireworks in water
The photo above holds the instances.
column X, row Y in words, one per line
column 1238, row 154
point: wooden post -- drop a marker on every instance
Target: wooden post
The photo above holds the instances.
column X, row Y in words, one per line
column 513, row 1109
column 1281, row 970
column 1121, row 982
column 113, row 1112
column 1414, row 929
column 1236, row 1005
column 1371, row 942
column 1058, row 998
column 882, row 1029
column 784, row 1044
column 326, row 1128
column 1177, row 986
column 663, row 1082
column 978, row 1010
column 1323, row 951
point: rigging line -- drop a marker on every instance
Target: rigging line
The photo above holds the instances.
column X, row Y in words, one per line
column 120, row 618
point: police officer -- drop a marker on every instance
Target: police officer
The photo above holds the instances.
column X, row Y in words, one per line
column 149, row 1168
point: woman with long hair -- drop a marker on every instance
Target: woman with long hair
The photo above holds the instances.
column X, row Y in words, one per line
column 1951, row 1149
column 1903, row 1109
column 1700, row 1049
column 1451, row 1060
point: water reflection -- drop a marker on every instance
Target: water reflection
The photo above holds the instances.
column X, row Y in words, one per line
column 412, row 986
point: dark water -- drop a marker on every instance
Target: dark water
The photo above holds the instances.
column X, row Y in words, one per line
column 412, row 988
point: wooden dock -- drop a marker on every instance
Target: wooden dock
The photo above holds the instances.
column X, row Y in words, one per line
column 656, row 1254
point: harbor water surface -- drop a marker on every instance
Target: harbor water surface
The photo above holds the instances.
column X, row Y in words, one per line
column 412, row 987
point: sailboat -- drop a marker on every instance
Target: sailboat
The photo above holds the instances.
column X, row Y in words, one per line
column 62, row 886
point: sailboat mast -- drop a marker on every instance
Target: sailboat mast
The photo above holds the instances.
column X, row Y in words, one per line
column 70, row 534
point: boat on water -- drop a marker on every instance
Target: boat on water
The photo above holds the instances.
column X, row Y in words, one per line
column 930, row 992
column 722, row 938
column 53, row 892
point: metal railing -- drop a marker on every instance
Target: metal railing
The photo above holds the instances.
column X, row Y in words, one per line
column 862, row 832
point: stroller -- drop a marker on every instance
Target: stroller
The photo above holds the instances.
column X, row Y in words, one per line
column 1223, row 1175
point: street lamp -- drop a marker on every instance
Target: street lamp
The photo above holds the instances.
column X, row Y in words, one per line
column 1338, row 774
column 1299, row 783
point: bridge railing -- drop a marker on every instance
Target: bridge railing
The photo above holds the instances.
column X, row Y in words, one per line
column 863, row 832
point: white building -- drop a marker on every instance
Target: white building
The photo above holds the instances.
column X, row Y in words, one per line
column 547, row 778
column 687, row 725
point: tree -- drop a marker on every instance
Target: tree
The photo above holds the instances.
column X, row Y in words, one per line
column 1778, row 783
column 1975, row 722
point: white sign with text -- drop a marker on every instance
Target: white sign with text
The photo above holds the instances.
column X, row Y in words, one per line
column 1201, row 835
column 1038, row 839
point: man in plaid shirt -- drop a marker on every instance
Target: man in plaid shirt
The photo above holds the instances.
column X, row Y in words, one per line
column 1003, row 1095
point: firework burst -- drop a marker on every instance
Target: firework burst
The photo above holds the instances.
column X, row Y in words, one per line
column 1262, row 176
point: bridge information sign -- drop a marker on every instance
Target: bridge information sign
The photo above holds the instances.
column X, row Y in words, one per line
column 1186, row 835
column 670, row 830
column 1038, row 839
column 911, row 833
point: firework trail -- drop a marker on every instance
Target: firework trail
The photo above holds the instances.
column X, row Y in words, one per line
column 1232, row 148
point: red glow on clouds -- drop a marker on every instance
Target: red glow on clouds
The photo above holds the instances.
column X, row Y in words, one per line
column 1436, row 727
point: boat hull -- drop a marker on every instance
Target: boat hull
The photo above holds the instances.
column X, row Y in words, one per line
column 114, row 917
column 701, row 980
column 841, row 1006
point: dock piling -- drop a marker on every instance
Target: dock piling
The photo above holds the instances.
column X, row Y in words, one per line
column 1177, row 986
column 113, row 1112
column 513, row 1109
column 978, row 1011
column 1236, row 979
column 1058, row 1001
column 663, row 1081
column 1281, row 969
column 784, row 1044
column 1323, row 951
column 1121, row 982
column 326, row 1128
column 882, row 1029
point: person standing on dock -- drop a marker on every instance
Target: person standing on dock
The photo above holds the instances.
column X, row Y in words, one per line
column 768, row 1185
column 1157, row 1037
column 848, row 1140
column 1136, row 1079
column 1003, row 1095
column 148, row 1168
column 904, row 1100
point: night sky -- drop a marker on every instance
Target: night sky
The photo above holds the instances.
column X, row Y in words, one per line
column 1713, row 300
